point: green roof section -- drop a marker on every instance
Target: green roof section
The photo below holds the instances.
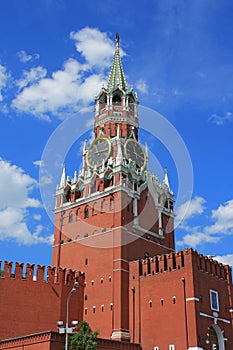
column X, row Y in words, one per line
column 117, row 76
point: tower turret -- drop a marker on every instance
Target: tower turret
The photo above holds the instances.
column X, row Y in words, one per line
column 116, row 104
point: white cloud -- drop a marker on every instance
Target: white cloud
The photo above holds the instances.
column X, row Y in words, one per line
column 31, row 76
column 221, row 120
column 142, row 86
column 159, row 95
column 15, row 203
column 73, row 87
column 196, row 238
column 221, row 223
column 177, row 92
column 24, row 57
column 59, row 95
column 38, row 163
column 223, row 217
column 37, row 217
column 94, row 46
column 225, row 259
column 4, row 76
column 190, row 209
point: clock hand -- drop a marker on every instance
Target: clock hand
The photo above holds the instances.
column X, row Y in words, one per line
column 103, row 150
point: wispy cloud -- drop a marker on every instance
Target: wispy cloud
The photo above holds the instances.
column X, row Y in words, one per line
column 4, row 76
column 142, row 86
column 24, row 57
column 220, row 222
column 225, row 259
column 190, row 209
column 221, row 120
column 15, row 204
column 177, row 92
column 31, row 77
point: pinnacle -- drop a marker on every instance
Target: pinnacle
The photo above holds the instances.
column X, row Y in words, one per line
column 117, row 76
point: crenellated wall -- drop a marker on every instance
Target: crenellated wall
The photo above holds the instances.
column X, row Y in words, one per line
column 33, row 298
column 169, row 300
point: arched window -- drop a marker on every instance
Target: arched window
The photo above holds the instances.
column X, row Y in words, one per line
column 77, row 213
column 111, row 204
column 70, row 217
column 116, row 99
column 86, row 212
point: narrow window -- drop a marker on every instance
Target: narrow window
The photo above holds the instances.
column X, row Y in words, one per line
column 86, row 261
column 214, row 300
column 111, row 306
column 93, row 309
column 162, row 302
column 150, row 303
column 102, row 308
column 86, row 212
column 109, row 278
column 140, row 268
column 171, row 347
column 101, row 280
column 70, row 217
column 174, row 300
column 157, row 264
column 85, row 311
column 102, row 206
column 111, row 204
column 93, row 209
column 77, row 213
column 92, row 282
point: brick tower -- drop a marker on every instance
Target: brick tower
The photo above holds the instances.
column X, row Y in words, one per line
column 115, row 211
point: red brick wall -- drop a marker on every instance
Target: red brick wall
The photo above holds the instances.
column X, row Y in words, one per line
column 162, row 308
column 29, row 306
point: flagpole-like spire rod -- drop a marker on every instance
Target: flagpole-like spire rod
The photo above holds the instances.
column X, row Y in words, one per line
column 117, row 38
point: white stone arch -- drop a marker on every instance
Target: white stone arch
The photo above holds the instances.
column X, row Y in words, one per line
column 220, row 336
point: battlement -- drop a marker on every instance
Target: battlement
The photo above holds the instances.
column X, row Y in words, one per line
column 182, row 259
column 38, row 273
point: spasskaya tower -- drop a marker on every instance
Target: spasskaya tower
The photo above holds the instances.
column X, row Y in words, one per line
column 114, row 211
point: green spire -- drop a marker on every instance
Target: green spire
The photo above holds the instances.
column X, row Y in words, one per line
column 117, row 75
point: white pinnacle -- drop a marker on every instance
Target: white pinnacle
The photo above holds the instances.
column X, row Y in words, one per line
column 165, row 180
column 63, row 177
column 119, row 157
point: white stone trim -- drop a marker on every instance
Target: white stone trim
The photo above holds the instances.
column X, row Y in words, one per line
column 120, row 334
column 115, row 270
column 192, row 299
column 217, row 318
column 195, row 348
column 121, row 260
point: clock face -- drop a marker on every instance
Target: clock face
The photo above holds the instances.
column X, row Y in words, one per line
column 98, row 151
column 135, row 152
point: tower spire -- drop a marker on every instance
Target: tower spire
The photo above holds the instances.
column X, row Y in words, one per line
column 117, row 75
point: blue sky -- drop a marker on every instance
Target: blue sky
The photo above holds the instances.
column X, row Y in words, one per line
column 55, row 56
